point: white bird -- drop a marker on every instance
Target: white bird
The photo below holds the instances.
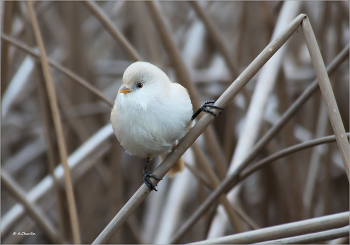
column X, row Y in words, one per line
column 150, row 113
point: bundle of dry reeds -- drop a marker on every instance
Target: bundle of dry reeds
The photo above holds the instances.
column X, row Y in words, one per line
column 278, row 153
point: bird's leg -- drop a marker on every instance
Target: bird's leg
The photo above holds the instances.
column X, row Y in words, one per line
column 206, row 108
column 147, row 175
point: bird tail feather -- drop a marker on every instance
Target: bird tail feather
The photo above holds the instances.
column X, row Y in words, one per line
column 177, row 167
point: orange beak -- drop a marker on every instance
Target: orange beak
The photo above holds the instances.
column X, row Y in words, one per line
column 124, row 90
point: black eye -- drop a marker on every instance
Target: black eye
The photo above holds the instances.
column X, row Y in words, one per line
column 139, row 85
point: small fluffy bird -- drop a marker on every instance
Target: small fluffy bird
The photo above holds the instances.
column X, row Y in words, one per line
column 151, row 113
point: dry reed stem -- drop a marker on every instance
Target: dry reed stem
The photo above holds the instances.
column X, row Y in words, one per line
column 31, row 208
column 183, row 77
column 286, row 230
column 316, row 237
column 58, row 126
column 60, row 67
column 45, row 113
column 230, row 180
column 194, row 133
column 327, row 92
column 115, row 32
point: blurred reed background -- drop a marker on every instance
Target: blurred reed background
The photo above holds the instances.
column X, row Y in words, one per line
column 208, row 44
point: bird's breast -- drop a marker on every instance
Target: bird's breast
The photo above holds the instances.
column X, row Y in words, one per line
column 149, row 129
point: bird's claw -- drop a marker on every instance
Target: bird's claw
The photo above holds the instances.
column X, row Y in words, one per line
column 146, row 180
column 206, row 108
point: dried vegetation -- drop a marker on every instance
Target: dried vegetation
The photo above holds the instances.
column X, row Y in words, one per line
column 65, row 176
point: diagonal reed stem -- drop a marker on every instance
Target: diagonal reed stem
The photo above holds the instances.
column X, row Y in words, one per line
column 327, row 92
column 57, row 124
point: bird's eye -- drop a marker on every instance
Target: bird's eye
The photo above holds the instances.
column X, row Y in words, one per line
column 139, row 85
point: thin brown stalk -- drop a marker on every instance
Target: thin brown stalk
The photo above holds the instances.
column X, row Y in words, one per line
column 32, row 209
column 57, row 124
column 194, row 133
column 327, row 92
column 115, row 32
column 60, row 67
column 286, row 230
column 39, row 9
column 231, row 179
column 183, row 77
column 45, row 112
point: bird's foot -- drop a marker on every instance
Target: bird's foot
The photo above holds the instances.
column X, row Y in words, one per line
column 146, row 176
column 206, row 108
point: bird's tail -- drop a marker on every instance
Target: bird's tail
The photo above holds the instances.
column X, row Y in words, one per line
column 177, row 167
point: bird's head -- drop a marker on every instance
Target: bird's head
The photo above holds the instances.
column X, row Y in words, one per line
column 142, row 79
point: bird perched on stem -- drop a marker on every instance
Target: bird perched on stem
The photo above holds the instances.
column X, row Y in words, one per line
column 151, row 113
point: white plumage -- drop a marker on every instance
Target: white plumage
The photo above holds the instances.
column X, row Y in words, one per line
column 147, row 119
